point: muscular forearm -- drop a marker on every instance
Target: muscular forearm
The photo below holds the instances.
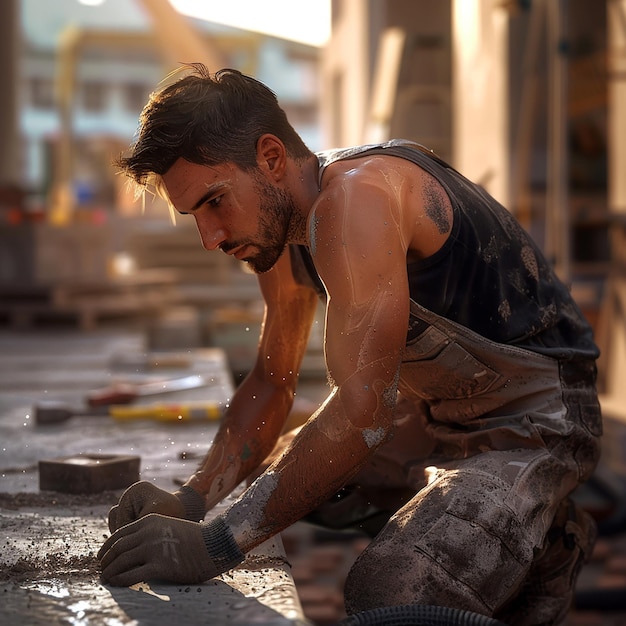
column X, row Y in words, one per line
column 247, row 434
column 328, row 451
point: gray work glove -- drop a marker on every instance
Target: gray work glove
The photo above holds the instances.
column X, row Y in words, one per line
column 166, row 548
column 143, row 498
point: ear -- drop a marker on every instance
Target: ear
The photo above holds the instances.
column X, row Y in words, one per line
column 271, row 156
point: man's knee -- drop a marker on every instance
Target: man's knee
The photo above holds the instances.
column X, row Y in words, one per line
column 391, row 575
column 437, row 551
column 377, row 580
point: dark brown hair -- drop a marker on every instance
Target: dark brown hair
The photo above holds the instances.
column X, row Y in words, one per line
column 207, row 119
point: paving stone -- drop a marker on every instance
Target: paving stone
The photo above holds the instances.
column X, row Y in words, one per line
column 88, row 473
column 601, row 550
column 616, row 565
column 614, row 581
column 327, row 558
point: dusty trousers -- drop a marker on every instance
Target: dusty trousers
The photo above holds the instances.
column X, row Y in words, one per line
column 489, row 442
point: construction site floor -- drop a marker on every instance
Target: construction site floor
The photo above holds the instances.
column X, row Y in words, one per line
column 48, row 570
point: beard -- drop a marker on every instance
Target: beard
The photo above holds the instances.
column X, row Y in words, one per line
column 277, row 210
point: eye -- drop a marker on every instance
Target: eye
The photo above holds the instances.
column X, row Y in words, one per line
column 215, row 202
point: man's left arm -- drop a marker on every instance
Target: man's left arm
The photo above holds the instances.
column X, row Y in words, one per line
column 358, row 248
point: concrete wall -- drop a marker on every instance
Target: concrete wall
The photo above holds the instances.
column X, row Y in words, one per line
column 450, row 86
column 480, row 94
column 346, row 75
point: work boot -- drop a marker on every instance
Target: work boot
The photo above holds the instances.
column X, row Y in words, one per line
column 548, row 592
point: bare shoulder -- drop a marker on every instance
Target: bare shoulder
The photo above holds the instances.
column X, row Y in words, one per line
column 389, row 186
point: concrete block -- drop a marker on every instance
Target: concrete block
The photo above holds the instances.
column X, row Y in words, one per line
column 176, row 328
column 88, row 473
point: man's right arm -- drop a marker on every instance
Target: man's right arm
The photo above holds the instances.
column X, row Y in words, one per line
column 256, row 415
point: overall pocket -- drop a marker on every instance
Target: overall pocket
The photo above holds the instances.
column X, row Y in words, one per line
column 435, row 367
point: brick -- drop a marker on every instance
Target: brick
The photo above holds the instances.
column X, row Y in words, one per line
column 327, row 558
column 601, row 550
column 610, row 581
column 301, row 570
column 88, row 473
column 359, row 544
column 616, row 565
column 320, row 594
column 323, row 614
column 321, row 604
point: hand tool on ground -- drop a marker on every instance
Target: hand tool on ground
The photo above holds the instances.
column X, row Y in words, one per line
column 124, row 393
column 51, row 412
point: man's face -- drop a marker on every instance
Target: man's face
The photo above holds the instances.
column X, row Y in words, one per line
column 239, row 212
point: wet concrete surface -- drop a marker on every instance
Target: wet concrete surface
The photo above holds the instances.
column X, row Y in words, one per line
column 48, row 570
column 49, row 574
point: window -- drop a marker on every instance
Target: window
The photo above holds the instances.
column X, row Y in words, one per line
column 93, row 96
column 135, row 96
column 41, row 92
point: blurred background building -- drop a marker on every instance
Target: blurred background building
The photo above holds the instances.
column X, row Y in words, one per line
column 101, row 61
column 524, row 96
column 74, row 241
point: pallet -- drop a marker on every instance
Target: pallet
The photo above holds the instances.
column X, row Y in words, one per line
column 146, row 293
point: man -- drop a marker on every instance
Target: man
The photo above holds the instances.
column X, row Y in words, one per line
column 462, row 375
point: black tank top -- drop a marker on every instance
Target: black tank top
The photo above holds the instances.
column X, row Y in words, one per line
column 489, row 275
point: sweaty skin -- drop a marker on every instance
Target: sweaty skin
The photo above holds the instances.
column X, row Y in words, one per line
column 255, row 417
column 360, row 227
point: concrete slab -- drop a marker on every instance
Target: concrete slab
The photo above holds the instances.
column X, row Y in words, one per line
column 49, row 574
column 48, row 569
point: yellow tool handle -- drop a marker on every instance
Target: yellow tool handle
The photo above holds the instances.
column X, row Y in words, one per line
column 167, row 412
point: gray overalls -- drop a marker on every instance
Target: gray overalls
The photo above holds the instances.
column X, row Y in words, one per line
column 490, row 437
column 506, row 435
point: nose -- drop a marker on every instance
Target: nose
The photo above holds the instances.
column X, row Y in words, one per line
column 211, row 234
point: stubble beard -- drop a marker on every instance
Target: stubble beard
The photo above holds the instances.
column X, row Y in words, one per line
column 278, row 221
